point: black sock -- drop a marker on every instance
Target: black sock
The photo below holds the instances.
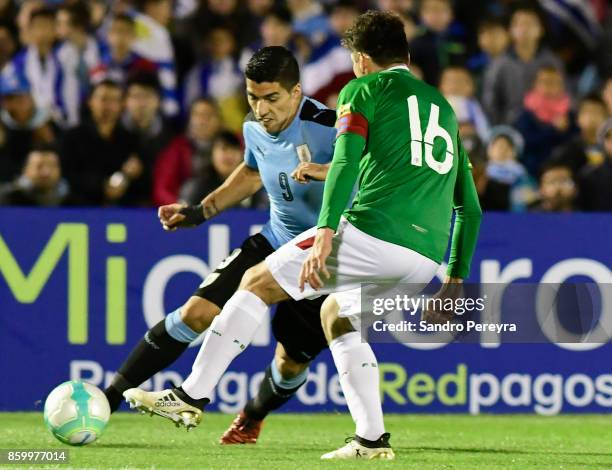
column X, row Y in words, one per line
column 269, row 397
column 114, row 397
column 156, row 351
column 198, row 403
column 382, row 441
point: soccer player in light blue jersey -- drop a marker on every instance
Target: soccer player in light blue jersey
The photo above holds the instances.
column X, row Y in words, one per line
column 288, row 146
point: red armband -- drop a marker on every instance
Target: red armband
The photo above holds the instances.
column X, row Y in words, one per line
column 352, row 122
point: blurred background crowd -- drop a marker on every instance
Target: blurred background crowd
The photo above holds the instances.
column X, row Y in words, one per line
column 140, row 103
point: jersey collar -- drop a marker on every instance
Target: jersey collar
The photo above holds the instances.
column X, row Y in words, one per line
column 399, row 67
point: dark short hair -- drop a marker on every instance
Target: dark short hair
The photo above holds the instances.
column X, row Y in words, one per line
column 530, row 9
column 593, row 98
column 554, row 164
column 505, row 137
column 227, row 138
column 142, row 4
column 344, row 5
column 274, row 64
column 549, row 68
column 223, row 25
column 47, row 13
column 106, row 82
column 44, row 148
column 281, row 14
column 546, row 68
column 80, row 15
column 145, row 80
column 492, row 23
column 124, row 18
column 380, row 35
column 206, row 100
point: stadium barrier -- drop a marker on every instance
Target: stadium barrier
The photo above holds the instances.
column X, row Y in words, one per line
column 78, row 288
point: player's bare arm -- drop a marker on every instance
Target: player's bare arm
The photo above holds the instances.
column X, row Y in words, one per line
column 307, row 171
column 242, row 183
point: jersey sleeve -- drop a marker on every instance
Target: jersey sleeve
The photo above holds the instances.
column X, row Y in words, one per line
column 355, row 110
column 249, row 156
column 468, row 215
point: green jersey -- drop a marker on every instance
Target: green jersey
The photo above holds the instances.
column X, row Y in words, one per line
column 400, row 137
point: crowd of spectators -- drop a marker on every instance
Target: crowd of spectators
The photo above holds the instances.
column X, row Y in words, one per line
column 141, row 102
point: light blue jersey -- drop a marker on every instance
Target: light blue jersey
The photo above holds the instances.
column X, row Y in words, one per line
column 294, row 207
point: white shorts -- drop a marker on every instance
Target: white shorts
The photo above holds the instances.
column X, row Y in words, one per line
column 356, row 258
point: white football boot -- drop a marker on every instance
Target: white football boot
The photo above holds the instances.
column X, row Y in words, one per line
column 358, row 448
column 166, row 404
column 355, row 449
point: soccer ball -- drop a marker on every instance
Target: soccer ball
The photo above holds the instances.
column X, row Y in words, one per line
column 76, row 412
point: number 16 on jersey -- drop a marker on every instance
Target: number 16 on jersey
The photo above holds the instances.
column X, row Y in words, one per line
column 432, row 131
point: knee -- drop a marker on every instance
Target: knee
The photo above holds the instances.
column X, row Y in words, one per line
column 199, row 313
column 287, row 367
column 333, row 325
column 260, row 282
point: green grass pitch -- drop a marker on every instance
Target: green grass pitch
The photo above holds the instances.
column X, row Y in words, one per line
column 292, row 441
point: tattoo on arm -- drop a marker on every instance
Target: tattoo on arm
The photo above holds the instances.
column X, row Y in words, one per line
column 210, row 208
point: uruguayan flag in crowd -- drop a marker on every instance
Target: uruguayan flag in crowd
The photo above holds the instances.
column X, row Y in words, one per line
column 153, row 43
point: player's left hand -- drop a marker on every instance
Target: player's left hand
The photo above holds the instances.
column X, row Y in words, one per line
column 315, row 263
column 306, row 172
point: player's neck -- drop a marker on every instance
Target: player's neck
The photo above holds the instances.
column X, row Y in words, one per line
column 375, row 68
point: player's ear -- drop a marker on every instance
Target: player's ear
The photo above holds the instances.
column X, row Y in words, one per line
column 296, row 91
column 367, row 64
column 362, row 63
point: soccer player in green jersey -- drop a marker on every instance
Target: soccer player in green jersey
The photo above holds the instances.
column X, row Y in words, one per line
column 398, row 137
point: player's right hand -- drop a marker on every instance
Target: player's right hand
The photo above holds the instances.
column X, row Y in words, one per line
column 170, row 216
column 451, row 289
column 306, row 172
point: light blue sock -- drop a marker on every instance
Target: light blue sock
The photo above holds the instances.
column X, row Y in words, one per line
column 287, row 384
column 178, row 329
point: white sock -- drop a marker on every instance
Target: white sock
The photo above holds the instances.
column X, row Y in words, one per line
column 228, row 335
column 358, row 372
